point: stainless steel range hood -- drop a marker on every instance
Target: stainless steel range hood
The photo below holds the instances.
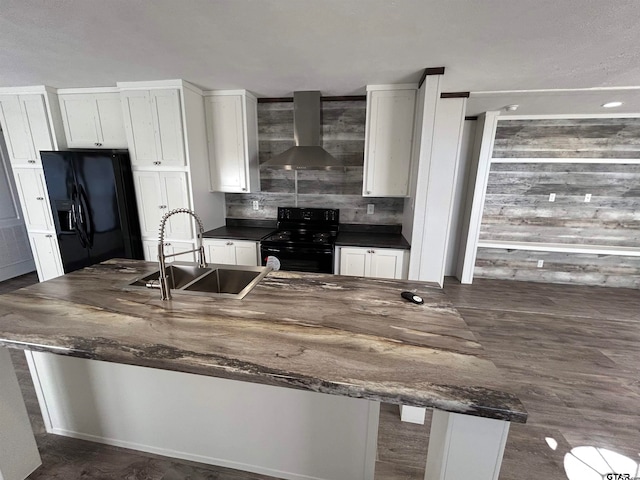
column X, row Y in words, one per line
column 307, row 154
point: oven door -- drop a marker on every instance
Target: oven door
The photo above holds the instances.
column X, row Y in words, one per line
column 300, row 259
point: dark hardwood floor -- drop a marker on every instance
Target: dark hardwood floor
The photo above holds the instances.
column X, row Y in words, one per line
column 573, row 353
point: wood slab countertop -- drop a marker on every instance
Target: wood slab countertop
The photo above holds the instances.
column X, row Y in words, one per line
column 326, row 333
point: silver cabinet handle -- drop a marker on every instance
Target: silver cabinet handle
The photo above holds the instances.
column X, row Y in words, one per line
column 229, row 243
column 31, row 161
column 98, row 144
column 373, row 251
column 244, row 189
column 167, row 244
column 157, row 163
column 368, row 192
column 163, row 206
column 48, row 235
column 39, row 198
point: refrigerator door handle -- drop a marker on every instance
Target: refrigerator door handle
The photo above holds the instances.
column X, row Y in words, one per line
column 86, row 219
column 72, row 218
column 77, row 218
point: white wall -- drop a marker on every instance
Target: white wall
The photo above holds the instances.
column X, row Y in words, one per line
column 15, row 253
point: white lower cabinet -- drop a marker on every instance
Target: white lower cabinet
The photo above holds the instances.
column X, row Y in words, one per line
column 158, row 193
column 46, row 255
column 170, row 248
column 32, row 191
column 231, row 252
column 372, row 262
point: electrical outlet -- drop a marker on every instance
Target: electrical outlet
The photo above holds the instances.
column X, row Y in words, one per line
column 587, row 197
column 540, row 263
column 552, row 197
column 370, row 208
column 256, row 205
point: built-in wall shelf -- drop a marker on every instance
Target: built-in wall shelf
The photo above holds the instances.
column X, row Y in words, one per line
column 561, row 247
column 635, row 161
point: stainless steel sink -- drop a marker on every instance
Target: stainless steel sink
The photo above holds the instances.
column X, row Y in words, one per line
column 224, row 281
column 179, row 276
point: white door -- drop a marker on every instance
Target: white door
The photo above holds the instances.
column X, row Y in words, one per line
column 167, row 118
column 218, row 251
column 109, row 120
column 150, row 202
column 33, row 198
column 79, row 119
column 46, row 255
column 246, row 253
column 139, row 127
column 225, row 134
column 354, row 261
column 176, row 195
column 386, row 263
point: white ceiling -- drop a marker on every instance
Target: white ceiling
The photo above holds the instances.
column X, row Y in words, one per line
column 273, row 47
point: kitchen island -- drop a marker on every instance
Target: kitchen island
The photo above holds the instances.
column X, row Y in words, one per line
column 347, row 338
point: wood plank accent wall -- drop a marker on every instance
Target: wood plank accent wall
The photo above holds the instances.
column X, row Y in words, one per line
column 517, row 207
column 343, row 132
column 570, row 138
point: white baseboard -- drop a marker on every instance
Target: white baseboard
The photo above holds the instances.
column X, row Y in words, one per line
column 16, row 269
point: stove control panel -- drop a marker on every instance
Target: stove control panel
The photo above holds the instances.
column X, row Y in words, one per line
column 309, row 215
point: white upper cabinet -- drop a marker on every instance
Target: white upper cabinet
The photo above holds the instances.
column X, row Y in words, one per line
column 93, row 120
column 388, row 142
column 26, row 127
column 232, row 134
column 153, row 125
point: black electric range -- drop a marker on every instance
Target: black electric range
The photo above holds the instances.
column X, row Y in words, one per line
column 304, row 240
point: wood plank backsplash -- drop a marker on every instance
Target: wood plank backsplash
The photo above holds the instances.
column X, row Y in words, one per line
column 343, row 132
column 517, row 206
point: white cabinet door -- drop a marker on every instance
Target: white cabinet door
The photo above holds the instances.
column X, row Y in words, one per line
column 158, row 193
column 167, row 118
column 139, row 127
column 46, row 255
column 26, row 128
column 245, row 252
column 110, row 124
column 386, row 263
column 218, row 251
column 79, row 120
column 93, row 120
column 150, row 202
column 372, row 262
column 171, row 247
column 226, row 137
column 388, row 144
column 176, row 195
column 354, row 261
column 153, row 123
column 32, row 191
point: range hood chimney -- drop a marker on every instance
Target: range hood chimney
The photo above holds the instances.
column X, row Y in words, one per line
column 307, row 154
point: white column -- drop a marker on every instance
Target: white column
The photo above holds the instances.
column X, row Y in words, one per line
column 19, row 455
column 464, row 446
column 476, row 191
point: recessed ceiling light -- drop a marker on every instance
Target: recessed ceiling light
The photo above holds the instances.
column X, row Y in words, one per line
column 611, row 104
column 511, row 108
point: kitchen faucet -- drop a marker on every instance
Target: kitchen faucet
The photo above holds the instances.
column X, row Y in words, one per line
column 165, row 290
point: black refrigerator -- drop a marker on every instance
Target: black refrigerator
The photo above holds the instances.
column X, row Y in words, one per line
column 94, row 206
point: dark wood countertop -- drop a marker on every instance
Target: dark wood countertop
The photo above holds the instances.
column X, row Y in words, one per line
column 333, row 334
